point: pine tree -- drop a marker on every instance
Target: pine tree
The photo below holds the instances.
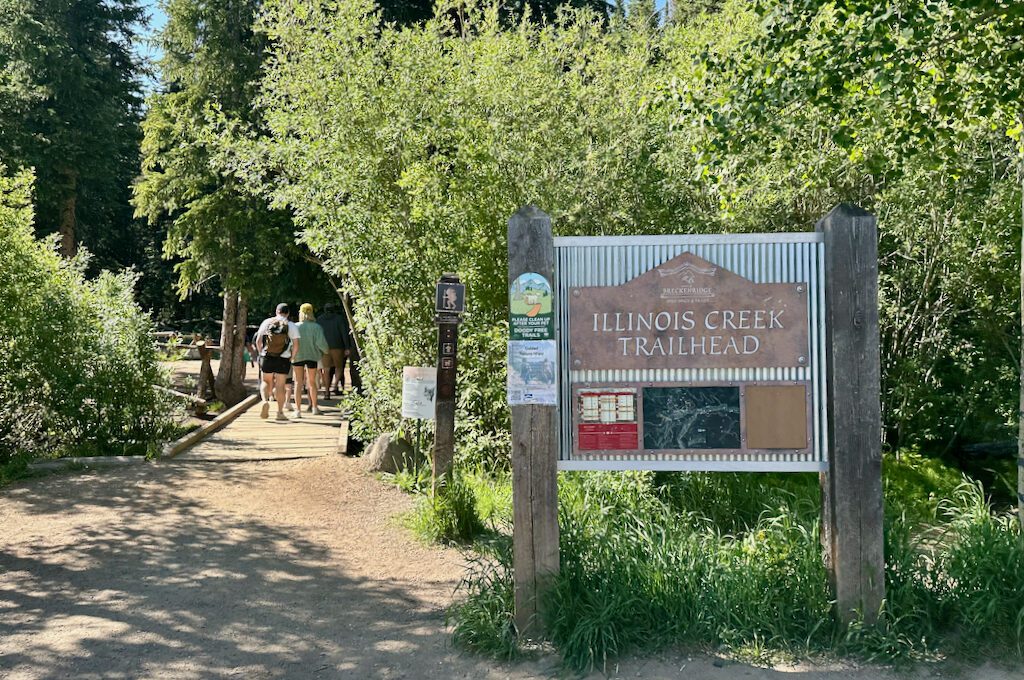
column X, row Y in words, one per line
column 210, row 72
column 70, row 106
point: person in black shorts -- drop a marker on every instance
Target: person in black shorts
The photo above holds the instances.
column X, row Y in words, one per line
column 276, row 339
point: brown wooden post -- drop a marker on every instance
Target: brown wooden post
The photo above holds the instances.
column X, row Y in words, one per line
column 205, row 387
column 447, row 364
column 852, row 488
column 534, row 446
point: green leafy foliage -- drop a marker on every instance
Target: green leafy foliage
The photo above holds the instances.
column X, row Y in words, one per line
column 402, row 153
column 906, row 109
column 209, row 69
column 77, row 366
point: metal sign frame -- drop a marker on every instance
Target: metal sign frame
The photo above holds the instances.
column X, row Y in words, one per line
column 582, row 262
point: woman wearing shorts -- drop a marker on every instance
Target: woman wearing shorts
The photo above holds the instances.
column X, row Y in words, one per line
column 311, row 346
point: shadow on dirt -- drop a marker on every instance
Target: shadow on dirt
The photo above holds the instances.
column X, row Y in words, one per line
column 168, row 587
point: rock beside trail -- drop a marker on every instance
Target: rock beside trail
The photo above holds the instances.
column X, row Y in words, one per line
column 389, row 453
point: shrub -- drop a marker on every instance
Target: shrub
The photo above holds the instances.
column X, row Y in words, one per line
column 77, row 366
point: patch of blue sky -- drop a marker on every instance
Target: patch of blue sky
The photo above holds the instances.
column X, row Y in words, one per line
column 145, row 43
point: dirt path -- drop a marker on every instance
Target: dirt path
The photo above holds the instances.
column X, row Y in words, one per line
column 284, row 569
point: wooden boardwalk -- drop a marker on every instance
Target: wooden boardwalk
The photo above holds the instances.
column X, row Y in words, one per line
column 249, row 437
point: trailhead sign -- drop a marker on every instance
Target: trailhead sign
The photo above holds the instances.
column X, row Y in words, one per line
column 717, row 352
column 691, row 352
column 689, row 312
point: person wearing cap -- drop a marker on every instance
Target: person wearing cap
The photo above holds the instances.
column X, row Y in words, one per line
column 276, row 340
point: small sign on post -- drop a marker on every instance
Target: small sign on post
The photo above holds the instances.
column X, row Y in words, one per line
column 450, row 304
column 451, row 295
column 532, row 363
column 419, row 392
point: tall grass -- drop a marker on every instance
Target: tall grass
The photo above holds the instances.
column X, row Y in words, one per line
column 483, row 613
column 642, row 567
column 734, row 562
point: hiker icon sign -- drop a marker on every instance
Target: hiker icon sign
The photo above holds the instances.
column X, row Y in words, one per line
column 451, row 297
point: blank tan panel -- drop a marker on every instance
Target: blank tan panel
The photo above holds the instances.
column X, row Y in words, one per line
column 776, row 416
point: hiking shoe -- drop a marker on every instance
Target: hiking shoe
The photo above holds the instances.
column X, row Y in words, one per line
column 282, row 417
column 265, row 410
column 317, row 411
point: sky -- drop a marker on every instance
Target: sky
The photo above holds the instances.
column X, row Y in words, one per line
column 157, row 19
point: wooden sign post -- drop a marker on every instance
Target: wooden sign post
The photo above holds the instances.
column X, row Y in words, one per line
column 534, row 442
column 852, row 485
column 450, row 304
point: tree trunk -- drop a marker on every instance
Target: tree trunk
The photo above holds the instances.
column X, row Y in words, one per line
column 228, row 385
column 68, row 246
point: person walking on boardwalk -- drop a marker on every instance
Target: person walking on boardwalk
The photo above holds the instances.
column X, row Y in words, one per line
column 304, row 361
column 276, row 339
column 335, row 327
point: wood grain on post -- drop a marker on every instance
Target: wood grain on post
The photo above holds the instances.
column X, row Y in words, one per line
column 534, row 446
column 852, row 489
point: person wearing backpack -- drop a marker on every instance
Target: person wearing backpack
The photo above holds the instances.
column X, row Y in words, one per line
column 276, row 340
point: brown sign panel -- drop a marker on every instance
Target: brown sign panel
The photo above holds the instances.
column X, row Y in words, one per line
column 776, row 416
column 688, row 313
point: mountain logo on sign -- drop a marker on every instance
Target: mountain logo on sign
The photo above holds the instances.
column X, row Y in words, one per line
column 687, row 290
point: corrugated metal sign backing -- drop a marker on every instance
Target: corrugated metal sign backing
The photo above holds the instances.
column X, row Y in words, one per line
column 761, row 258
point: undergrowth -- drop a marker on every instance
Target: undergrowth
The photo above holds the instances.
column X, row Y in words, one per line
column 733, row 562
column 475, row 506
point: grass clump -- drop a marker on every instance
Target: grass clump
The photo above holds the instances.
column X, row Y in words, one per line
column 641, row 569
column 482, row 618
column 449, row 516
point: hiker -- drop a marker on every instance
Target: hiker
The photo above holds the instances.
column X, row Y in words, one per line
column 336, row 332
column 353, row 353
column 304, row 361
column 276, row 339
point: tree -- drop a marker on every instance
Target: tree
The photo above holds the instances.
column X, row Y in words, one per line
column 208, row 77
column 930, row 70
column 69, row 108
column 402, row 152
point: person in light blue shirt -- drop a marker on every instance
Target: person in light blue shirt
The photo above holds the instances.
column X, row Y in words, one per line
column 305, row 360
